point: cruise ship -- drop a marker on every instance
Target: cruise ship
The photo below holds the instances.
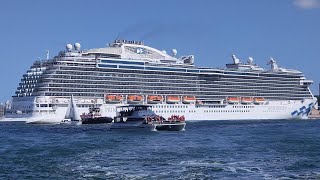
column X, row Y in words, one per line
column 130, row 72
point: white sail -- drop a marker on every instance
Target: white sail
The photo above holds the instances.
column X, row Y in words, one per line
column 68, row 113
column 72, row 111
column 75, row 113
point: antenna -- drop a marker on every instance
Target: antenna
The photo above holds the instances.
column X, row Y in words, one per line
column 47, row 54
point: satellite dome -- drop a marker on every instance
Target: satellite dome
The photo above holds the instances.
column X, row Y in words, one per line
column 69, row 47
column 77, row 46
column 250, row 60
column 174, row 52
column 164, row 51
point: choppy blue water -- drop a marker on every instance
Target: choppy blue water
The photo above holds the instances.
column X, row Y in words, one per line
column 206, row 150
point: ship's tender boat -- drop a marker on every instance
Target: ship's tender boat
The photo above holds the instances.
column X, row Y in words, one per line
column 114, row 98
column 233, row 100
column 259, row 100
column 189, row 99
column 135, row 99
column 173, row 99
column 154, row 99
column 246, row 100
column 94, row 117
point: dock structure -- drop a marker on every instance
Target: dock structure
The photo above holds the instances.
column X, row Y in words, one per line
column 315, row 114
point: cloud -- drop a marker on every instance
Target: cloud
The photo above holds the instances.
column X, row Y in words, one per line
column 307, row 4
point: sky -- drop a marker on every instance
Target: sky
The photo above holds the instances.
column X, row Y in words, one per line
column 211, row 30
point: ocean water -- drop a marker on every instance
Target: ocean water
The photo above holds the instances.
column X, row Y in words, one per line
column 282, row 149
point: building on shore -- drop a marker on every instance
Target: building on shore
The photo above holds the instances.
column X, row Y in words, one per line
column 1, row 111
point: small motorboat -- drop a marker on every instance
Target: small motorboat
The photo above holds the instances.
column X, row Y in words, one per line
column 132, row 117
column 94, row 117
column 174, row 123
column 142, row 116
column 170, row 126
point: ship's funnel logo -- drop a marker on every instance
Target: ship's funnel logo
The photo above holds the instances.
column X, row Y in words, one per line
column 140, row 51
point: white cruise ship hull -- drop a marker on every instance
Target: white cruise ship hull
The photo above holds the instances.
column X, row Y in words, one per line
column 286, row 109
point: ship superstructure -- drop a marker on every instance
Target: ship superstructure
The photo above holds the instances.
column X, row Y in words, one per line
column 129, row 72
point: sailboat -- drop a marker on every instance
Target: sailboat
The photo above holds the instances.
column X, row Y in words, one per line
column 72, row 115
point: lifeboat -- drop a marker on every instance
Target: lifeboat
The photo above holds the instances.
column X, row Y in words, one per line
column 233, row 100
column 189, row 99
column 173, row 99
column 114, row 98
column 154, row 99
column 259, row 100
column 135, row 99
column 246, row 100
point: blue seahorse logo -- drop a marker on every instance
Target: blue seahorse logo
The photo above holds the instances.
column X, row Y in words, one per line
column 303, row 110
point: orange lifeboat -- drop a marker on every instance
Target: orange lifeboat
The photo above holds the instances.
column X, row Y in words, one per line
column 173, row 99
column 259, row 100
column 114, row 98
column 189, row 99
column 135, row 99
column 246, row 100
column 154, row 99
column 233, row 100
